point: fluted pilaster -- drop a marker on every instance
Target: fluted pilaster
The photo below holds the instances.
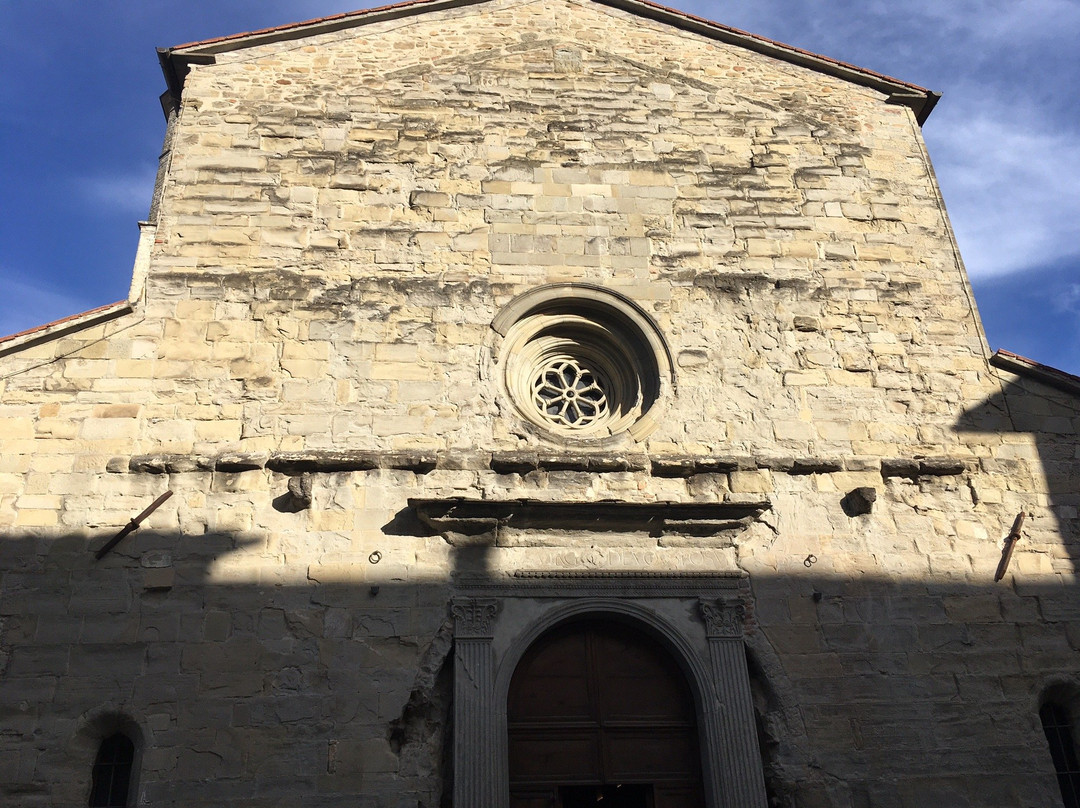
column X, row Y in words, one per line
column 739, row 781
column 475, row 752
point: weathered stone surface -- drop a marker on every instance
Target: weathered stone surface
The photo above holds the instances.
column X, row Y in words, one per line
column 687, row 466
column 166, row 464
column 815, row 465
column 342, row 218
column 240, row 462
column 336, row 461
column 942, row 466
column 899, row 467
column 525, row 462
column 859, row 501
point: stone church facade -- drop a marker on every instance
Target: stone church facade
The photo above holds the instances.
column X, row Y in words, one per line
column 536, row 402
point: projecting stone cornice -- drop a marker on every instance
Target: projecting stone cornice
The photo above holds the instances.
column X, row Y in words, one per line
column 324, row 461
column 465, row 521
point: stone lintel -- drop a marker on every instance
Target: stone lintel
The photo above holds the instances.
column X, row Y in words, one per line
column 688, row 465
column 358, row 460
column 525, row 462
column 480, row 516
column 922, row 467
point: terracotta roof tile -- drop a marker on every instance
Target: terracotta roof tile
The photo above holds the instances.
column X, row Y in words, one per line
column 303, row 23
column 1018, row 364
column 776, row 44
column 662, row 9
column 48, row 326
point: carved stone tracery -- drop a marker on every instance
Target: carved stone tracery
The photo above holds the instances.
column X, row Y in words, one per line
column 582, row 365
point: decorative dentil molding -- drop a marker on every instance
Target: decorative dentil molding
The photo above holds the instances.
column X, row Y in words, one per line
column 575, row 584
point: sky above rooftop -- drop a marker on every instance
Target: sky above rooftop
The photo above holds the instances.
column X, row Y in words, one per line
column 81, row 129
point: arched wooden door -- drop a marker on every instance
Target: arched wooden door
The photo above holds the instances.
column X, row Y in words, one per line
column 600, row 715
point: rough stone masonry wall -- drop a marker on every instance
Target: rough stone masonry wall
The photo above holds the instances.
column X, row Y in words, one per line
column 342, row 219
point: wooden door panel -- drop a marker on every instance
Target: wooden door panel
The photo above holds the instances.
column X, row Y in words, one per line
column 650, row 756
column 601, row 705
column 532, row 798
column 568, row 756
column 552, row 682
column 640, row 682
column 618, row 796
column 645, row 699
column 678, row 797
column 553, row 699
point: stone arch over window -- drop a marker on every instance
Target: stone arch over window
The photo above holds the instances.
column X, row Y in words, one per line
column 1058, row 713
column 582, row 365
column 702, row 635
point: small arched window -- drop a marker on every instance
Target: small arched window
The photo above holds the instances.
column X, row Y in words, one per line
column 1058, row 726
column 112, row 772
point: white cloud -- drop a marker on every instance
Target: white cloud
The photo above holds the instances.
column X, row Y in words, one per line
column 1011, row 189
column 931, row 27
column 128, row 193
column 1006, row 138
column 1067, row 299
column 1009, row 22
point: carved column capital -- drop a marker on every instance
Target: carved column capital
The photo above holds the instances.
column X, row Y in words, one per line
column 474, row 618
column 723, row 618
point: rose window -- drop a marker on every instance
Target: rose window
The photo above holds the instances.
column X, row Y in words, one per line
column 581, row 364
column 568, row 394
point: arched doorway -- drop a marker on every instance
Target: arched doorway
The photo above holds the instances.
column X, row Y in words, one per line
column 600, row 714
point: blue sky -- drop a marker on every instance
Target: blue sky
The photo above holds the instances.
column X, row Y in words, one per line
column 80, row 131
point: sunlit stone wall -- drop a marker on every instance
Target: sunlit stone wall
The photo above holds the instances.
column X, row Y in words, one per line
column 342, row 220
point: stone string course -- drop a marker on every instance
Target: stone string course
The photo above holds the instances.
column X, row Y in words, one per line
column 524, row 462
column 341, row 219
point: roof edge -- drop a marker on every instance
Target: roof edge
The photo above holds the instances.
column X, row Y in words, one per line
column 1029, row 368
column 920, row 100
column 66, row 325
column 313, row 27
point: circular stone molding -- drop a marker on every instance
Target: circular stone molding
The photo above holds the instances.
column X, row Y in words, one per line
column 581, row 363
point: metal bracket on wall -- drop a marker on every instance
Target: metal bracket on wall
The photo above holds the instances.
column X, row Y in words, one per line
column 131, row 526
column 1010, row 544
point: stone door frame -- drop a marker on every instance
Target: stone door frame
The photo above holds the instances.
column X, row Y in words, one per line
column 699, row 619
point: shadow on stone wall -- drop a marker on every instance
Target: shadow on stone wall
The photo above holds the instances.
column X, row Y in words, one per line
column 1052, row 419
column 868, row 691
